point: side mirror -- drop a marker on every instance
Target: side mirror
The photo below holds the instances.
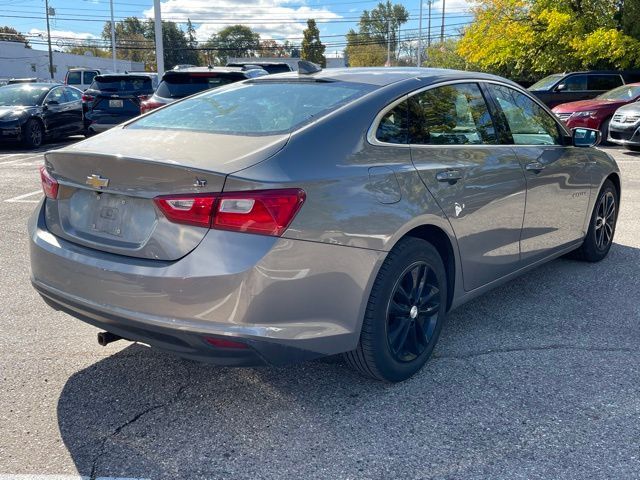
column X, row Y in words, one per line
column 561, row 87
column 586, row 137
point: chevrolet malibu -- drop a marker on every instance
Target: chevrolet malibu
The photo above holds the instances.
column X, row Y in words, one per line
column 290, row 217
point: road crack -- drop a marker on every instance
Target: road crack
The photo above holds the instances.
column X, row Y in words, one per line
column 102, row 450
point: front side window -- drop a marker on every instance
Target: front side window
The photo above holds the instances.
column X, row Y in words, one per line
column 393, row 127
column 603, row 82
column 260, row 108
column 72, row 95
column 88, row 77
column 528, row 122
column 450, row 115
column 575, row 83
column 74, row 78
column 56, row 95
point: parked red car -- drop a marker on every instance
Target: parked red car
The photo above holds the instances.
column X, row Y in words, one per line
column 597, row 113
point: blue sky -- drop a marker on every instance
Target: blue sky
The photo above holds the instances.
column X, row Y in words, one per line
column 277, row 19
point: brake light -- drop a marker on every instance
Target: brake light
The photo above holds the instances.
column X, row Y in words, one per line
column 87, row 98
column 225, row 343
column 144, row 98
column 264, row 212
column 49, row 184
column 148, row 105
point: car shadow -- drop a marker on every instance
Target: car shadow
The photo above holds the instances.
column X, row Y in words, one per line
column 141, row 413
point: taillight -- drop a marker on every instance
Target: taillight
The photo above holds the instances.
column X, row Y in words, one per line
column 149, row 105
column 188, row 209
column 225, row 343
column 144, row 98
column 87, row 98
column 49, row 184
column 265, row 212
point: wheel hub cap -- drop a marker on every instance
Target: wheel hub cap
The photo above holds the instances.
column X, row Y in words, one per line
column 413, row 313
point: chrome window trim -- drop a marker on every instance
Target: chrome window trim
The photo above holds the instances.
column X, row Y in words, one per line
column 373, row 140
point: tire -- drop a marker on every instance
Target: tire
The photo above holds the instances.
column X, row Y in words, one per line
column 32, row 134
column 600, row 235
column 604, row 132
column 634, row 148
column 381, row 354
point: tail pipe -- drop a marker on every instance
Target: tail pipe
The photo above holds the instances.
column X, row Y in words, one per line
column 105, row 338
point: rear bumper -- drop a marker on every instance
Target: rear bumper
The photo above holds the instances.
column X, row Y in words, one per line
column 101, row 122
column 288, row 300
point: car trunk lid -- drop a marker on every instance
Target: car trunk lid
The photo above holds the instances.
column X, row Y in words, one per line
column 108, row 183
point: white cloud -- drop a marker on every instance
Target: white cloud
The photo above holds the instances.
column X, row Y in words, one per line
column 261, row 15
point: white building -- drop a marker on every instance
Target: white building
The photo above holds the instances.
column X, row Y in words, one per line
column 18, row 61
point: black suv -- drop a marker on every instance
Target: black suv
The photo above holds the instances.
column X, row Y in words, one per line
column 571, row 87
column 114, row 98
column 182, row 82
column 270, row 67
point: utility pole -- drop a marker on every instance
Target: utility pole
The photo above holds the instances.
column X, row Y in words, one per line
column 113, row 38
column 388, row 42
column 442, row 26
column 46, row 6
column 420, row 37
column 159, row 46
column 429, row 27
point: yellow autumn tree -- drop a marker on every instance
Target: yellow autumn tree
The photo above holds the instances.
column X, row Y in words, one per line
column 524, row 39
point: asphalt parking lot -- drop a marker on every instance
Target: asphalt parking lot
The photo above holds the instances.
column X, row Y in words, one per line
column 539, row 379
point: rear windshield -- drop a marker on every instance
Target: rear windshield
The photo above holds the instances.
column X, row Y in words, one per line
column 125, row 83
column 259, row 108
column 183, row 85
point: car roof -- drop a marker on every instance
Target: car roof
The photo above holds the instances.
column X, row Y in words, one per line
column 36, row 84
column 109, row 75
column 382, row 76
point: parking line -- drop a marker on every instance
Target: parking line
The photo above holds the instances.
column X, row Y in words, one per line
column 11, row 162
column 20, row 199
column 61, row 477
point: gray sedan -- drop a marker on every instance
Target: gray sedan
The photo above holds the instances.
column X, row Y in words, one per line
column 295, row 216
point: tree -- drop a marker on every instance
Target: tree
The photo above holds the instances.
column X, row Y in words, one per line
column 95, row 51
column 233, row 41
column 9, row 34
column 445, row 55
column 525, row 39
column 312, row 47
column 372, row 55
column 628, row 16
column 376, row 29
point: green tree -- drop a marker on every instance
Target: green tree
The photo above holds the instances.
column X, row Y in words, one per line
column 445, row 55
column 371, row 55
column 525, row 39
column 95, row 51
column 312, row 47
column 629, row 18
column 9, row 34
column 232, row 41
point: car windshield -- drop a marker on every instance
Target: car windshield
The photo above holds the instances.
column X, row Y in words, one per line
column 625, row 92
column 21, row 94
column 259, row 108
column 546, row 83
column 183, row 85
column 124, row 83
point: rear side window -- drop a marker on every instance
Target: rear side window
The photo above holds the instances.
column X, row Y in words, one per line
column 180, row 86
column 528, row 122
column 575, row 83
column 260, row 108
column 394, row 125
column 124, row 83
column 603, row 82
column 450, row 115
column 74, row 78
column 88, row 77
column 72, row 95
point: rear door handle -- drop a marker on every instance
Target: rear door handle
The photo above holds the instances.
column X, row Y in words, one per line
column 535, row 167
column 450, row 176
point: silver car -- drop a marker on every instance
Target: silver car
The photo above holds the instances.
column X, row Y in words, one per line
column 295, row 216
column 624, row 128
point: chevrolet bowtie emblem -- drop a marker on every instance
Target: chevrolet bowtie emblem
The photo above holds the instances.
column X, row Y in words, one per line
column 96, row 181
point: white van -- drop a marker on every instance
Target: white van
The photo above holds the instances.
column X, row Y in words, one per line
column 82, row 77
